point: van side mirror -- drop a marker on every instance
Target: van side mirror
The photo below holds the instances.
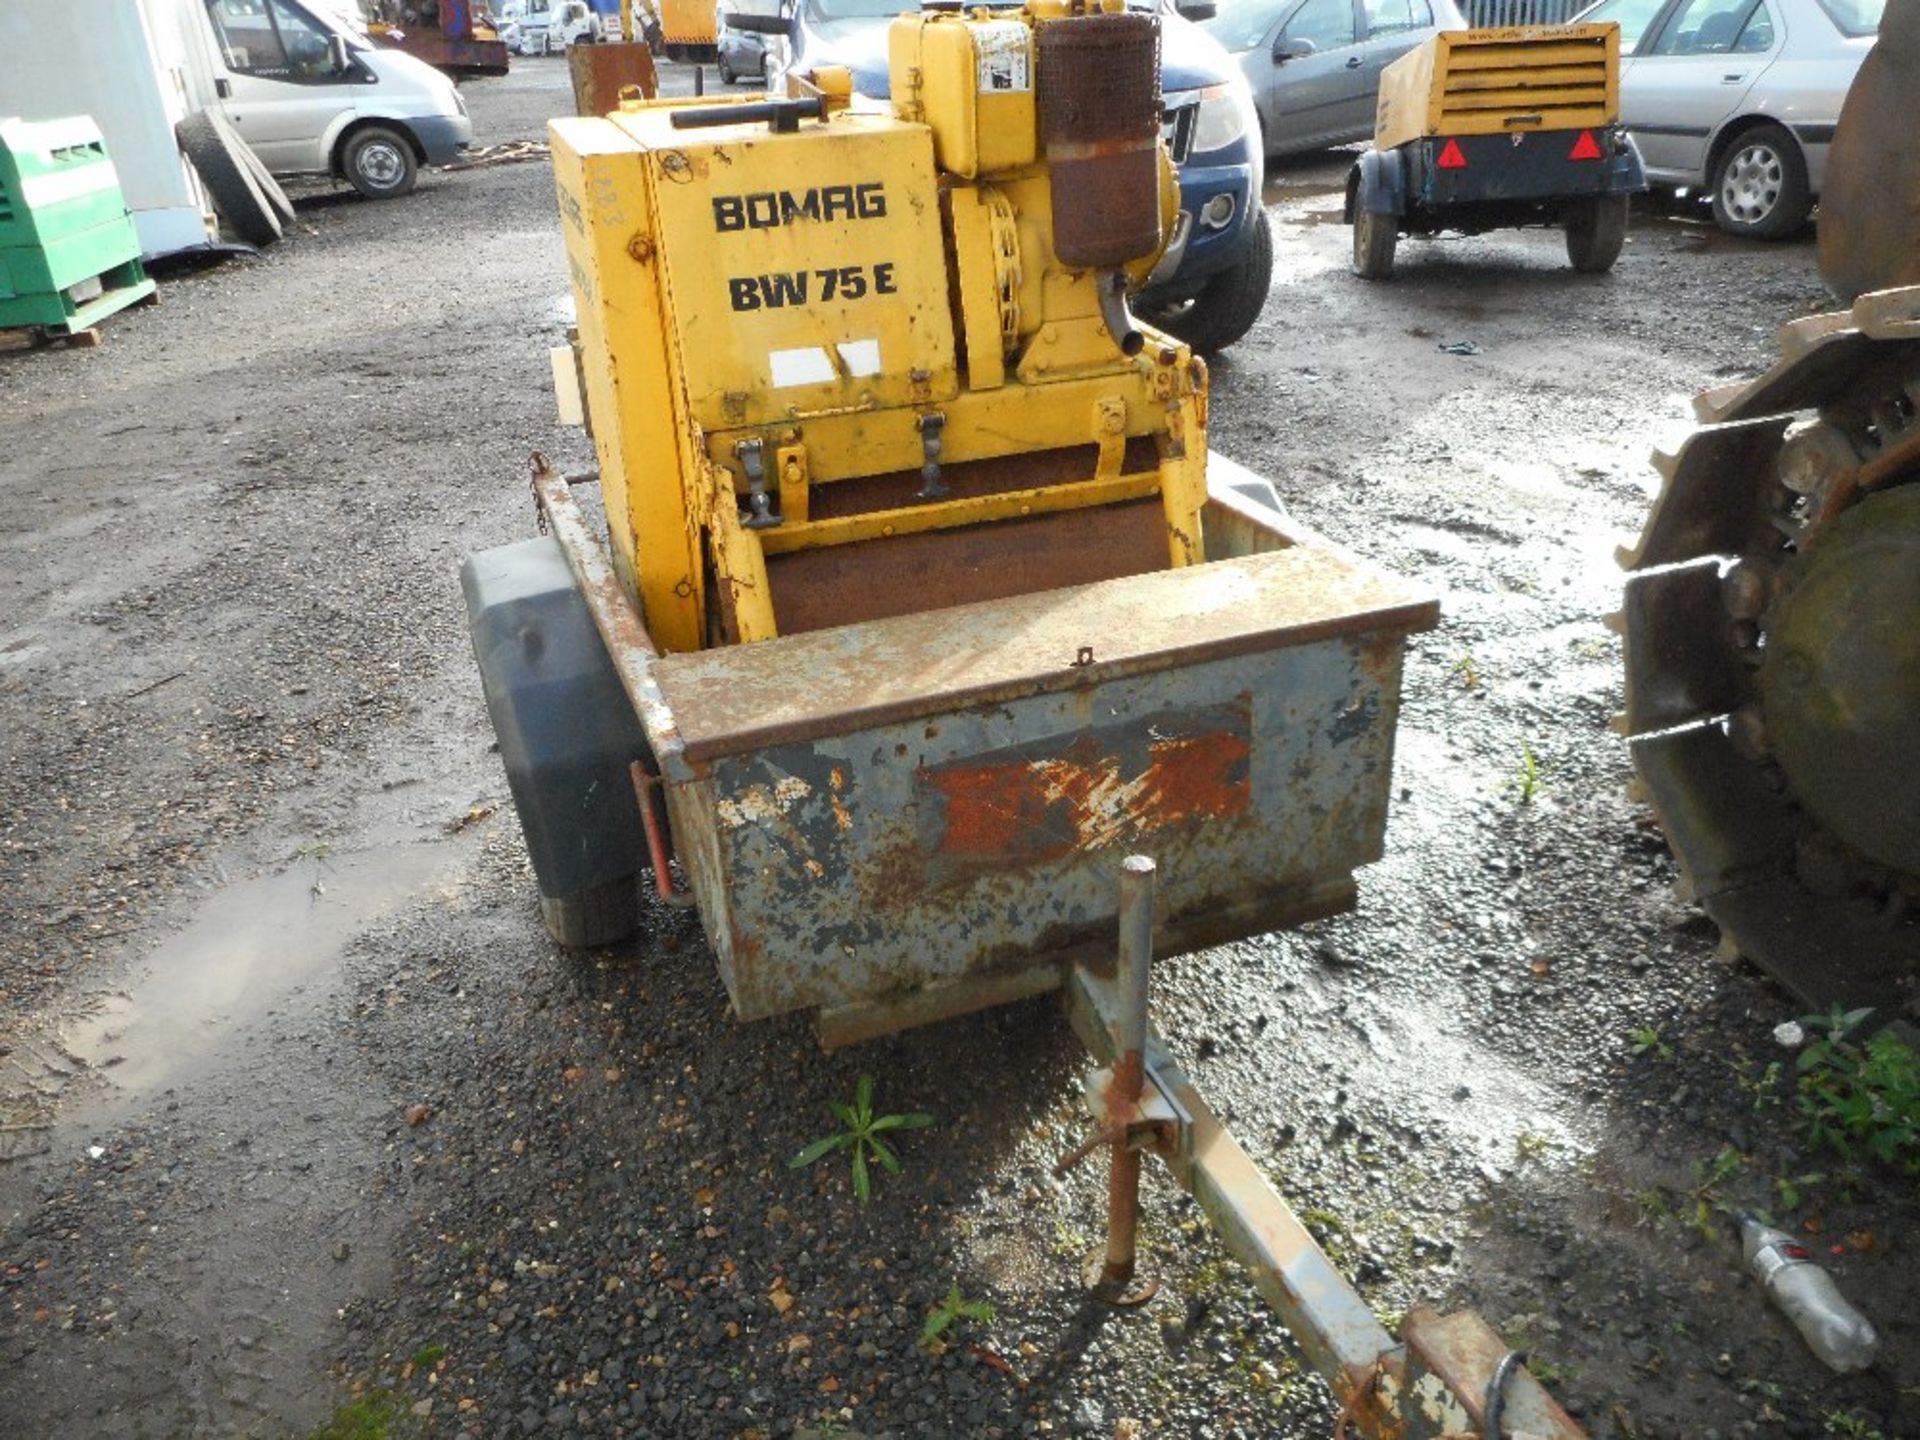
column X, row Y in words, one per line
column 761, row 24
column 1292, row 48
column 340, row 53
column 1197, row 9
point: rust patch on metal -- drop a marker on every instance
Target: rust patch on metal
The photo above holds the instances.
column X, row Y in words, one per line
column 969, row 479
column 600, row 72
column 1099, row 88
column 1105, row 787
column 909, row 574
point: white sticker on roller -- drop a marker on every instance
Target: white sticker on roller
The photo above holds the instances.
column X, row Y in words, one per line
column 1002, row 48
column 806, row 366
column 861, row 357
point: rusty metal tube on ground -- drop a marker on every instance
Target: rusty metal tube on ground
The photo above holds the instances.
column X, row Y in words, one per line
column 1435, row 1383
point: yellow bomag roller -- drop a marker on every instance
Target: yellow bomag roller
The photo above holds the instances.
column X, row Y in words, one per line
column 1772, row 629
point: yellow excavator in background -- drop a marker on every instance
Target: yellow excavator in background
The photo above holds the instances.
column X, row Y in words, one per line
column 1772, row 623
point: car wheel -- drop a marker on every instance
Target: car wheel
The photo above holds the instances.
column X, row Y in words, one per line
column 1760, row 186
column 1596, row 229
column 379, row 163
column 1374, row 238
column 726, row 70
column 1229, row 303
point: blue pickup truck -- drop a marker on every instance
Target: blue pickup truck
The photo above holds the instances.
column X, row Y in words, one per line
column 1210, row 286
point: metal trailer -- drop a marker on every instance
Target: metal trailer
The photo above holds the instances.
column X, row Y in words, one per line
column 928, row 824
column 920, row 603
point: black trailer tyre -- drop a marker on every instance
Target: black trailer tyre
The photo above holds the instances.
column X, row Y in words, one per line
column 592, row 918
column 1760, row 188
column 220, row 156
column 1231, row 301
column 1596, row 231
column 379, row 163
column 1374, row 239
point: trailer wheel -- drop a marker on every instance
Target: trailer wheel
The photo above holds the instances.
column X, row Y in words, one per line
column 1596, row 229
column 220, row 157
column 379, row 163
column 1374, row 239
column 592, row 918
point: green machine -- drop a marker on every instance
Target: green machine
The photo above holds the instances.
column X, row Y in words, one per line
column 69, row 256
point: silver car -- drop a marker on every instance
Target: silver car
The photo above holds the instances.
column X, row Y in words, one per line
column 1738, row 98
column 1315, row 64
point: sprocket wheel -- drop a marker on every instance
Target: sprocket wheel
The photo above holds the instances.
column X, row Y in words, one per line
column 1772, row 643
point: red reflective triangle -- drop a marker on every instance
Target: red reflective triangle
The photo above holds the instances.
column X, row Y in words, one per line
column 1450, row 157
column 1585, row 148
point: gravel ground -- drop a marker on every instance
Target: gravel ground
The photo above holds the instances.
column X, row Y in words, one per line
column 334, row 1134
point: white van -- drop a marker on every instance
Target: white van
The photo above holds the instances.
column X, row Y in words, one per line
column 524, row 25
column 577, row 23
column 310, row 96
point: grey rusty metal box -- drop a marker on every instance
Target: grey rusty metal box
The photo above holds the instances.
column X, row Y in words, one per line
column 911, row 817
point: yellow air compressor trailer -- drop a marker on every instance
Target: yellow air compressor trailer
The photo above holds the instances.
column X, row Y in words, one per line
column 1490, row 129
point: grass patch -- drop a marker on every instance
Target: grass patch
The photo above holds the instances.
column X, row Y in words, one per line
column 1528, row 778
column 371, row 1417
column 1859, row 1097
column 954, row 1307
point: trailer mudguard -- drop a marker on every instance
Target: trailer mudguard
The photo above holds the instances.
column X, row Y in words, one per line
column 1626, row 174
column 1378, row 185
column 567, row 732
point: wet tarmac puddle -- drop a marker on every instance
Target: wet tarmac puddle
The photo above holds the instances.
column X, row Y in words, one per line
column 251, row 946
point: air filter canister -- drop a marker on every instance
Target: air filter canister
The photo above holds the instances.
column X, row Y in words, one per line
column 1099, row 84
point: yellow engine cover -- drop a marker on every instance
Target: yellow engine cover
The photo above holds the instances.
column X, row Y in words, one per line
column 971, row 81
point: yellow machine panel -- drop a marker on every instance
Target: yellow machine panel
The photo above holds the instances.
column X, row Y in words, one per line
column 807, row 268
column 689, row 22
column 792, row 435
column 1491, row 82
